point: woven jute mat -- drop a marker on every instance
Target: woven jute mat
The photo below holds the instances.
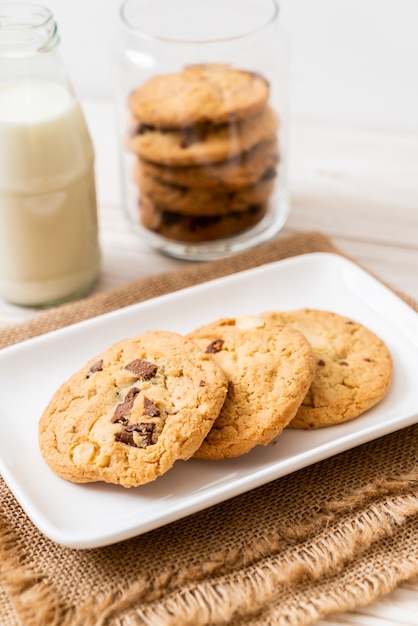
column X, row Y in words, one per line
column 327, row 538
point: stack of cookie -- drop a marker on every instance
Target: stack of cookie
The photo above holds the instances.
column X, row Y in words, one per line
column 207, row 152
column 142, row 404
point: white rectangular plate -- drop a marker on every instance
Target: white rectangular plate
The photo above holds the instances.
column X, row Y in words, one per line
column 92, row 515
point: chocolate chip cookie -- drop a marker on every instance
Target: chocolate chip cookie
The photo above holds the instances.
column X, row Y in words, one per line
column 242, row 170
column 199, row 228
column 353, row 367
column 195, row 201
column 269, row 366
column 202, row 144
column 132, row 411
column 214, row 92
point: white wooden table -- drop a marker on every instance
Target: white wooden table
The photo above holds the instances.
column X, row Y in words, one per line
column 356, row 186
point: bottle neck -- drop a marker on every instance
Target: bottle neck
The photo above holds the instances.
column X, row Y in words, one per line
column 26, row 29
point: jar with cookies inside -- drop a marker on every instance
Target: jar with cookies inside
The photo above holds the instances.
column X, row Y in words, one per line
column 201, row 107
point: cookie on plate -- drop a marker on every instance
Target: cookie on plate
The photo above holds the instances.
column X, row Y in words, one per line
column 353, row 367
column 132, row 411
column 269, row 367
column 214, row 92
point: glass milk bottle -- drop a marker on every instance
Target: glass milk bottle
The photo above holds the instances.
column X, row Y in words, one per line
column 49, row 249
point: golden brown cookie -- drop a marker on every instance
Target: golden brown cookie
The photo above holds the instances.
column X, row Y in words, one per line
column 353, row 367
column 213, row 92
column 132, row 411
column 191, row 201
column 243, row 170
column 199, row 228
column 198, row 145
column 269, row 367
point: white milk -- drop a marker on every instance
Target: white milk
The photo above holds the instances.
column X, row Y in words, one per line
column 48, row 222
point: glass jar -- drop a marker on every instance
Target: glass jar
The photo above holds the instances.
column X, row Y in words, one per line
column 49, row 249
column 201, row 105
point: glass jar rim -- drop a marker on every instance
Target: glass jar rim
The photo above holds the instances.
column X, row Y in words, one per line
column 26, row 28
column 35, row 9
column 144, row 34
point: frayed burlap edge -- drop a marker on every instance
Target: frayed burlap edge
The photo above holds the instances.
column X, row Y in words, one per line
column 265, row 596
column 254, row 589
column 33, row 600
column 254, row 594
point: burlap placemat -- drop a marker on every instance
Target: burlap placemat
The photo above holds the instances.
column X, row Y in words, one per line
column 328, row 538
